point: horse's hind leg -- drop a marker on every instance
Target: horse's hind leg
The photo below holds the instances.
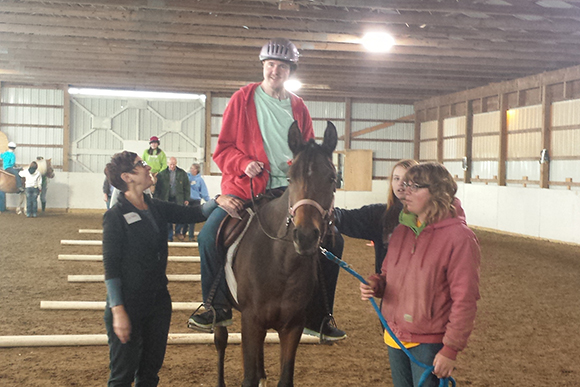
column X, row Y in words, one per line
column 220, row 339
column 289, row 340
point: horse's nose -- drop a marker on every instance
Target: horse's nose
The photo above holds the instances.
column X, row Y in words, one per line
column 306, row 240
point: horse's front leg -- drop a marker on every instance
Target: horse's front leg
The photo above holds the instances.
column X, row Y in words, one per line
column 289, row 340
column 220, row 339
column 253, row 337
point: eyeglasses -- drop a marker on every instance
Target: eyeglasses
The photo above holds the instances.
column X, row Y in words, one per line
column 142, row 163
column 414, row 187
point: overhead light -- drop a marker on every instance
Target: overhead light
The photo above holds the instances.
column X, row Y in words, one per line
column 292, row 85
column 377, row 41
column 133, row 94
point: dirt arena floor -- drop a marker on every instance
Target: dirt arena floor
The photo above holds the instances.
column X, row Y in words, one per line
column 527, row 330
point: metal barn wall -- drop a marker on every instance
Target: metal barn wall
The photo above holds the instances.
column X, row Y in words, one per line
column 428, row 141
column 454, row 145
column 389, row 144
column 32, row 117
column 102, row 126
column 565, row 157
column 485, row 144
column 524, row 126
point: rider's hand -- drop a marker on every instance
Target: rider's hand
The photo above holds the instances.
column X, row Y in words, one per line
column 254, row 168
column 230, row 203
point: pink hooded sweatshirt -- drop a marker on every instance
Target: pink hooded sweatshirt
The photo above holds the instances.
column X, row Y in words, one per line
column 430, row 283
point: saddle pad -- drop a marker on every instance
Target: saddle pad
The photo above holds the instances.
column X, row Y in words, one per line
column 232, row 250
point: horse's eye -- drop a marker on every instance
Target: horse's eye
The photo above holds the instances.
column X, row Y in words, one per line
column 288, row 180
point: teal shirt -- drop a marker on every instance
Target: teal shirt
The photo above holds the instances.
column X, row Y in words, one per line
column 275, row 118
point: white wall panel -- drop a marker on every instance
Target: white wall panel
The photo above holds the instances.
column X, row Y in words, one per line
column 453, row 148
column 454, row 168
column 484, row 169
column 428, row 130
column 380, row 111
column 565, row 143
column 454, row 126
column 566, row 113
column 486, row 147
column 527, row 144
column 486, row 122
column 428, row 150
column 529, row 117
column 516, row 170
column 326, row 110
column 560, row 170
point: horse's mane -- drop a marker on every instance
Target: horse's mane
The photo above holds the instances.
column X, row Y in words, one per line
column 41, row 166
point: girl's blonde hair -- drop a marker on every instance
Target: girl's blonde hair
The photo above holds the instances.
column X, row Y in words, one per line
column 442, row 188
column 405, row 163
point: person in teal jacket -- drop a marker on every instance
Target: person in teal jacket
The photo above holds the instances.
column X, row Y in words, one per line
column 9, row 164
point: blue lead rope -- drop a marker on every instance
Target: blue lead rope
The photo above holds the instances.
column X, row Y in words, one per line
column 428, row 369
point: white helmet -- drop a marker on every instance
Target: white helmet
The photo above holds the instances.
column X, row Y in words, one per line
column 11, row 145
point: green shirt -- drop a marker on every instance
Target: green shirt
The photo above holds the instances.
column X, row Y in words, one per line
column 157, row 162
column 275, row 118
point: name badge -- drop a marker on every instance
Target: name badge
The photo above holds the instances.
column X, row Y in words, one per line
column 132, row 217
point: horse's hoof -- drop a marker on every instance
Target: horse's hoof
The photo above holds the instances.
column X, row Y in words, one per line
column 262, row 383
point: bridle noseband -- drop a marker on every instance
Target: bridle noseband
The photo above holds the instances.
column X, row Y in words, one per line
column 326, row 214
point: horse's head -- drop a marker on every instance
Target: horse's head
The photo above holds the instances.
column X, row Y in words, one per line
column 312, row 183
column 45, row 167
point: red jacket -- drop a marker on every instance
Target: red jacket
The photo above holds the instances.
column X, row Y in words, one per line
column 240, row 142
column 432, row 284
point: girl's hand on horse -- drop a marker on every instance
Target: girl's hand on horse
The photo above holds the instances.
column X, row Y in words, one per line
column 230, row 203
column 121, row 323
column 367, row 291
column 254, row 169
column 443, row 366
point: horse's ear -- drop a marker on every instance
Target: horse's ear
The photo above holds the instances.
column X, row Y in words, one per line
column 295, row 140
column 330, row 138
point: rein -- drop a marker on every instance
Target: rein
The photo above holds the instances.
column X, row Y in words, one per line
column 428, row 369
column 275, row 238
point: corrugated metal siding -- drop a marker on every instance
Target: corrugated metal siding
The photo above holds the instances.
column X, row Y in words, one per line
column 380, row 111
column 35, row 129
column 524, row 145
column 486, row 147
column 484, row 169
column 428, row 151
column 486, row 122
column 529, row 117
column 454, row 148
column 566, row 143
column 428, row 130
column 99, row 127
column 454, row 168
column 332, row 111
column 517, row 170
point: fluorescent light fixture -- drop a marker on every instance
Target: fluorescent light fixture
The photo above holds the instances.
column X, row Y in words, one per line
column 377, row 41
column 292, row 85
column 133, row 94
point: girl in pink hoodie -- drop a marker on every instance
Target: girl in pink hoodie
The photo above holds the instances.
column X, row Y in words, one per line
column 429, row 280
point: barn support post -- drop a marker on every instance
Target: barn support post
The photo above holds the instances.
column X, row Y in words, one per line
column 347, row 122
column 417, row 140
column 546, row 136
column 66, row 130
column 207, row 150
column 440, row 142
column 503, row 137
column 468, row 141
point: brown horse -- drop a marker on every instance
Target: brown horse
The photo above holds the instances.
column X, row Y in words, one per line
column 276, row 261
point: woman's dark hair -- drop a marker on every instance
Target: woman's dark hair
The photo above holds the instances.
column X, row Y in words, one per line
column 151, row 150
column 442, row 188
column 120, row 163
column 32, row 167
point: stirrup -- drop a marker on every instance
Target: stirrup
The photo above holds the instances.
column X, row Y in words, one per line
column 207, row 307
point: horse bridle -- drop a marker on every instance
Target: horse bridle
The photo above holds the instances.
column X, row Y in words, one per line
column 326, row 214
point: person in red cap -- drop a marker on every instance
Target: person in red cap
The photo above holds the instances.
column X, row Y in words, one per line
column 155, row 157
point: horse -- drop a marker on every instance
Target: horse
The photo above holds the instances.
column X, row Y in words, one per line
column 276, row 260
column 8, row 182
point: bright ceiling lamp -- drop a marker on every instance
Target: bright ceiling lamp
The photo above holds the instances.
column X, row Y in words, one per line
column 133, row 94
column 292, row 85
column 377, row 41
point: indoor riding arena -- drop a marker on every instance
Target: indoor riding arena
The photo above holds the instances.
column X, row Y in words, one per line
column 491, row 90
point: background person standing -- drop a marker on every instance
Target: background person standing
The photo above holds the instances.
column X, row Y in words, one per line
column 172, row 186
column 198, row 190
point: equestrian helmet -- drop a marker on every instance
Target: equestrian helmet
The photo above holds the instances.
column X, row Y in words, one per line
column 154, row 139
column 280, row 49
column 11, row 145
